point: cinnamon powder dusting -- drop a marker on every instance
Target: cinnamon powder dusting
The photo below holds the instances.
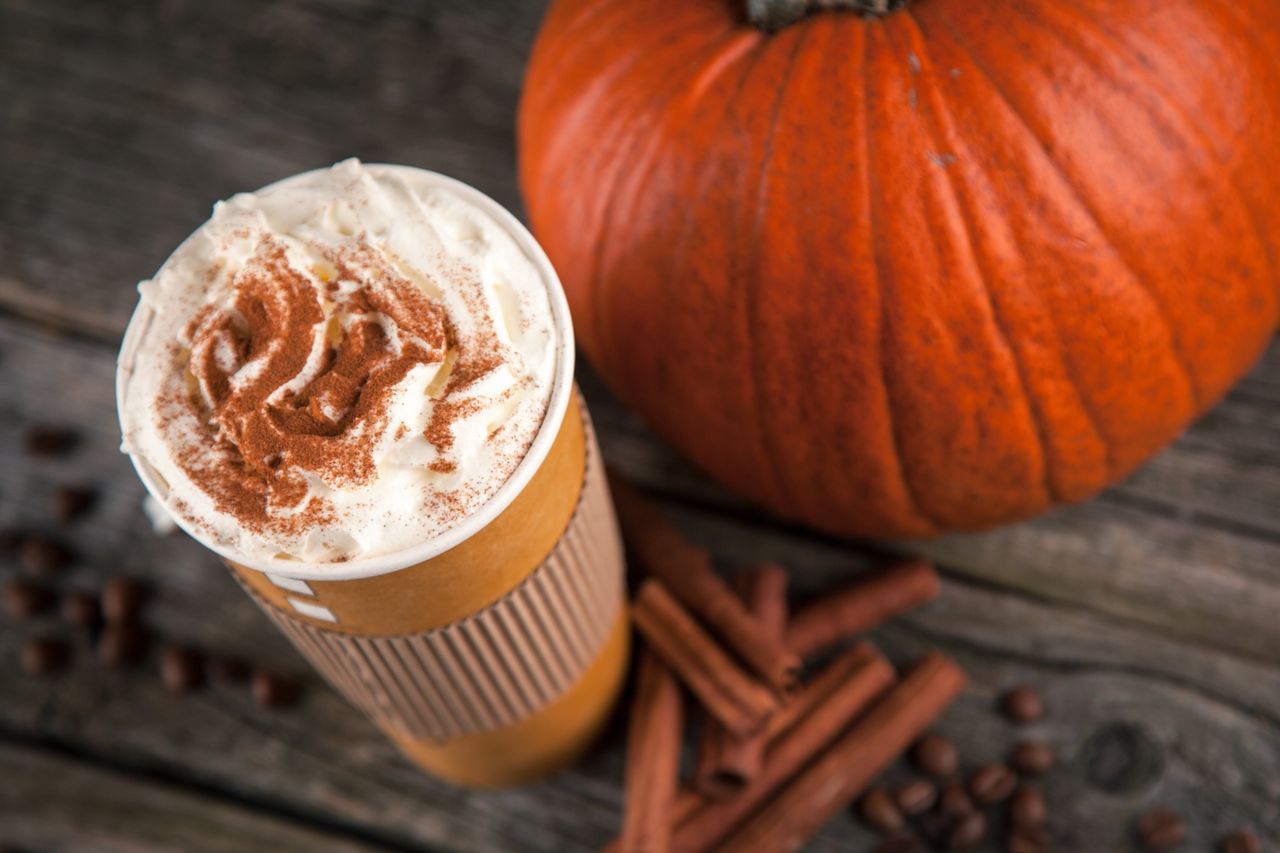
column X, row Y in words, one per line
column 293, row 384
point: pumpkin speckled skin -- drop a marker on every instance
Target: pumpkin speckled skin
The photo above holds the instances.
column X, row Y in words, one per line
column 934, row 271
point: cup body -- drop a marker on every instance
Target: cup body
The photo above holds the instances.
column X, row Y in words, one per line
column 497, row 661
column 491, row 655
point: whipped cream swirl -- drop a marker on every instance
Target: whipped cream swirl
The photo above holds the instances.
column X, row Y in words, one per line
column 340, row 366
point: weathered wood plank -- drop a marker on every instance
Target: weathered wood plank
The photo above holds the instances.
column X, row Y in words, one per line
column 126, row 814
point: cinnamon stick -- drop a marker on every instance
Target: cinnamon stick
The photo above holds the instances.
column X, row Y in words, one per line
column 738, row 701
column 825, row 721
column 653, row 758
column 687, row 571
column 861, row 672
column 857, row 607
column 840, row 774
column 726, row 762
column 815, row 692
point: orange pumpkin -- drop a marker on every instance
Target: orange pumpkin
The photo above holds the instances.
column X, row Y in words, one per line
column 932, row 270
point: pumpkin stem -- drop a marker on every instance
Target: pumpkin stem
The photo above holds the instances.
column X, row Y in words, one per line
column 770, row 15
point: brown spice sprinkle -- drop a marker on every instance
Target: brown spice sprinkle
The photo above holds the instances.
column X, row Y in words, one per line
column 260, row 443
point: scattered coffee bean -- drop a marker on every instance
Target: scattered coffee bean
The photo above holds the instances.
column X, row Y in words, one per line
column 1022, row 705
column 992, row 784
column 955, row 800
column 226, row 670
column 41, row 655
column 23, row 599
column 122, row 600
column 899, row 844
column 81, row 610
column 936, row 756
column 181, row 669
column 122, row 645
column 915, row 797
column 1027, row 808
column 967, row 831
column 271, row 690
column 879, row 812
column 1159, row 829
column 1028, row 839
column 49, row 440
column 70, row 502
column 11, row 541
column 1243, row 841
column 42, row 556
column 1032, row 758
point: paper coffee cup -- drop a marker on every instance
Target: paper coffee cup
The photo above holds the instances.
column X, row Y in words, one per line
column 492, row 653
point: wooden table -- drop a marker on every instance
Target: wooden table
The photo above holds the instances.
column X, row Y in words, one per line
column 1149, row 617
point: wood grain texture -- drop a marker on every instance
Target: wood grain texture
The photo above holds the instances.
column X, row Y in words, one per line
column 121, row 812
column 1146, row 616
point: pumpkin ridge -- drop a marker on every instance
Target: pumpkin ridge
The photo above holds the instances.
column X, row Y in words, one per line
column 1066, row 355
column 1155, row 83
column 768, row 444
column 637, row 144
column 1175, row 126
column 1177, row 352
column 914, row 504
column 1034, row 415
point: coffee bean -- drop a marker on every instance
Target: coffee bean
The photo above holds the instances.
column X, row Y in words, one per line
column 181, row 669
column 1022, row 705
column 934, row 827
column 1160, row 828
column 23, row 599
column 879, row 812
column 1027, row 808
column 70, row 502
column 41, row 655
column 967, row 832
column 915, row 797
column 1027, row 839
column 11, row 540
column 49, row 440
column 954, row 800
column 992, row 784
column 936, row 756
column 42, row 556
column 226, row 670
column 899, row 844
column 122, row 600
column 1032, row 758
column 81, row 610
column 271, row 690
column 1243, row 841
column 122, row 645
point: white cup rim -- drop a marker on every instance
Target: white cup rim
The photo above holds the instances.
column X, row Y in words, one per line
column 557, row 407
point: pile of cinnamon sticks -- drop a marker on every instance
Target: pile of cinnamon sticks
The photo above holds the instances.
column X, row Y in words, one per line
column 777, row 757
